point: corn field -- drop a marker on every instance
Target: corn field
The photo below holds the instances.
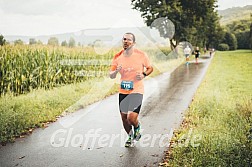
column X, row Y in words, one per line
column 23, row 68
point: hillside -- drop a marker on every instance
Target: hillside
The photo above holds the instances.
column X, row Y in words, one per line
column 109, row 36
column 235, row 13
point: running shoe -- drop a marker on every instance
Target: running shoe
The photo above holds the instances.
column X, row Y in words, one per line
column 129, row 142
column 137, row 134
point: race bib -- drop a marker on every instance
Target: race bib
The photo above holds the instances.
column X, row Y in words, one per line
column 127, row 85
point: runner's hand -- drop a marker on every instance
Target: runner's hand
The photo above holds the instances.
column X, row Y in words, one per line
column 113, row 74
column 118, row 68
column 139, row 76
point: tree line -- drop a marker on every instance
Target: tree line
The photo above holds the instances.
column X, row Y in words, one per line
column 53, row 41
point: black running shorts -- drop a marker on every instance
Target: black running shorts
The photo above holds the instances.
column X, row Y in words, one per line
column 130, row 102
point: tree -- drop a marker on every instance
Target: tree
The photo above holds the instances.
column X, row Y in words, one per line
column 250, row 33
column 238, row 26
column 215, row 34
column 2, row 40
column 189, row 17
column 64, row 43
column 241, row 30
column 71, row 42
column 32, row 41
column 230, row 40
column 243, row 40
column 40, row 42
column 18, row 42
column 223, row 47
column 53, row 41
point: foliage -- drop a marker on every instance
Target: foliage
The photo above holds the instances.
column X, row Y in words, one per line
column 237, row 21
column 71, row 42
column 243, row 40
column 250, row 35
column 223, row 47
column 215, row 33
column 39, row 42
column 241, row 29
column 18, row 42
column 191, row 19
column 32, row 41
column 53, row 41
column 230, row 40
column 238, row 26
column 64, row 43
column 2, row 40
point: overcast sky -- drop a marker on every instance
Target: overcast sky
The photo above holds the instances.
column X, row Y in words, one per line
column 45, row 17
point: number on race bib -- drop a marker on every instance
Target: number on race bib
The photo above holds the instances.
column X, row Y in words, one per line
column 127, row 85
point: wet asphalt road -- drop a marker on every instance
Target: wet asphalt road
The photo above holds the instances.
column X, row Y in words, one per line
column 94, row 136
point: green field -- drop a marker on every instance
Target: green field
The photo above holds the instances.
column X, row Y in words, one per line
column 216, row 128
column 36, row 88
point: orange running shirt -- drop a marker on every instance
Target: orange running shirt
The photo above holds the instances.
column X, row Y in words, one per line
column 131, row 65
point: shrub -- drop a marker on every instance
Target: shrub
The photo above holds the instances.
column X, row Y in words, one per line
column 223, row 47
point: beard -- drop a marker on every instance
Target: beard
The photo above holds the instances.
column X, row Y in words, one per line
column 127, row 47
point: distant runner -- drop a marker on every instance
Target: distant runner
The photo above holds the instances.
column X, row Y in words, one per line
column 187, row 52
column 134, row 66
column 205, row 50
column 197, row 54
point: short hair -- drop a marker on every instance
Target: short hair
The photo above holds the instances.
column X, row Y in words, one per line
column 134, row 38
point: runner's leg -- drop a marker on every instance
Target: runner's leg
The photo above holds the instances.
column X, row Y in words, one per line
column 126, row 124
column 135, row 103
column 123, row 106
column 133, row 118
column 134, row 109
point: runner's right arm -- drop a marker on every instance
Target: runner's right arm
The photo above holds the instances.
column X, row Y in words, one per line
column 114, row 69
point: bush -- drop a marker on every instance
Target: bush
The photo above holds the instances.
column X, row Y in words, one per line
column 243, row 40
column 231, row 40
column 223, row 47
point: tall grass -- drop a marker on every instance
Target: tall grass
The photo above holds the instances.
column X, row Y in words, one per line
column 220, row 117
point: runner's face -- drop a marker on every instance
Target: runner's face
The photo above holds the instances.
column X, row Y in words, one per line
column 127, row 41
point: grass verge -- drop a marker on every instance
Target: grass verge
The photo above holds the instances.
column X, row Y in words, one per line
column 216, row 130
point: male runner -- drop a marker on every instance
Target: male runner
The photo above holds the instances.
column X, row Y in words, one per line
column 197, row 54
column 134, row 66
column 187, row 52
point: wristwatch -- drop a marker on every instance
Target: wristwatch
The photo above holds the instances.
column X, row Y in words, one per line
column 144, row 74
